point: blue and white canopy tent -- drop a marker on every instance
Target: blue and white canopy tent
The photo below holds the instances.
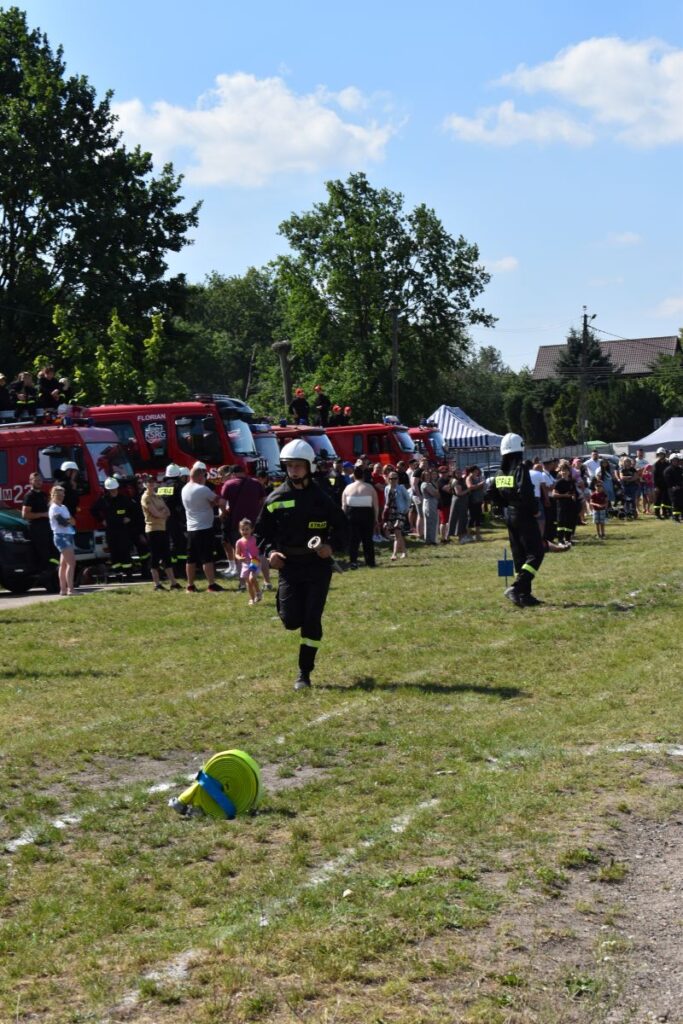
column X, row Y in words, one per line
column 669, row 436
column 460, row 431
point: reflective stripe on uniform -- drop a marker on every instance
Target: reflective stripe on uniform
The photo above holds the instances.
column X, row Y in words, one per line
column 310, row 643
column 529, row 568
column 280, row 504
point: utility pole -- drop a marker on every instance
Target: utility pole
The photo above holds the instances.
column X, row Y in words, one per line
column 583, row 390
column 394, row 362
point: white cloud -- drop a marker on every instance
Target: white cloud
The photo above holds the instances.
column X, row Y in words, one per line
column 632, row 91
column 504, row 126
column 671, row 307
column 621, row 238
column 246, row 130
column 505, row 265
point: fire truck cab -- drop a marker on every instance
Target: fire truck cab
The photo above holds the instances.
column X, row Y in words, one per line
column 386, row 442
column 317, row 437
column 213, row 429
column 429, row 441
column 26, row 447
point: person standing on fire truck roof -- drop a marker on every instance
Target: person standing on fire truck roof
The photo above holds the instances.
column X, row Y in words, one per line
column 513, row 489
column 298, row 527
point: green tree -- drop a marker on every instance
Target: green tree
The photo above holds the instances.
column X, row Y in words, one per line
column 479, row 386
column 667, row 381
column 598, row 368
column 562, row 424
column 357, row 259
column 84, row 224
column 232, row 322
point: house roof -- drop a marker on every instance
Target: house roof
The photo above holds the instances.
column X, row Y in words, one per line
column 634, row 357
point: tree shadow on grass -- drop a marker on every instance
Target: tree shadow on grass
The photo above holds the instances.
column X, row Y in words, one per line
column 369, row 684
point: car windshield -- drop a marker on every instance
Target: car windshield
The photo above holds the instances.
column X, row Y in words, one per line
column 268, row 450
column 405, row 441
column 109, row 459
column 240, row 436
column 322, row 446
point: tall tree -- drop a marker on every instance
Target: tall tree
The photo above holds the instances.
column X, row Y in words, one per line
column 594, row 365
column 83, row 221
column 359, row 260
column 479, row 387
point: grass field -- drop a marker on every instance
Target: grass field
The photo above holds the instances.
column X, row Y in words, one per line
column 447, row 817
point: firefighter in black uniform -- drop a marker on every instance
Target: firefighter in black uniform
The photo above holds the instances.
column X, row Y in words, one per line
column 661, row 504
column 298, row 527
column 513, row 490
column 673, row 478
column 116, row 510
column 170, row 490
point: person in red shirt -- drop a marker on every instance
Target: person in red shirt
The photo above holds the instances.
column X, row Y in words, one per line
column 598, row 503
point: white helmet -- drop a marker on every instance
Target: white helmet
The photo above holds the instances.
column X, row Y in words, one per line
column 199, row 465
column 511, row 443
column 675, row 455
column 298, row 450
column 183, row 471
column 111, row 484
column 172, row 470
column 68, row 465
column 661, row 451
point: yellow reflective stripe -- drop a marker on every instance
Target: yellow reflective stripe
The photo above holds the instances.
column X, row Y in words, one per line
column 505, row 481
column 322, row 525
column 529, row 568
column 165, row 491
column 310, row 643
column 280, row 504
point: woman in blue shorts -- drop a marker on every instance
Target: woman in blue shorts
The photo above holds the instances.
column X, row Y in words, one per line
column 64, row 536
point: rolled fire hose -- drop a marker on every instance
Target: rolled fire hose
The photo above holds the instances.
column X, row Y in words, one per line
column 229, row 784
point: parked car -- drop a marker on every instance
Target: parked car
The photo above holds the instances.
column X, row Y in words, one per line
column 19, row 569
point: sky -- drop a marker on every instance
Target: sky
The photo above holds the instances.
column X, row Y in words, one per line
column 549, row 135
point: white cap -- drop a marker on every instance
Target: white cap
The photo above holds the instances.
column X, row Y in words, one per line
column 199, row 465
column 68, row 465
column 183, row 471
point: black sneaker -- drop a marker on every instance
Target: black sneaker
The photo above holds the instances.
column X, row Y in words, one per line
column 303, row 681
column 353, row 565
column 215, row 588
column 158, row 586
column 529, row 601
column 191, row 589
column 175, row 586
column 514, row 596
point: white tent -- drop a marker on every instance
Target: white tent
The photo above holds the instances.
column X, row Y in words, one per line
column 669, row 436
column 460, row 431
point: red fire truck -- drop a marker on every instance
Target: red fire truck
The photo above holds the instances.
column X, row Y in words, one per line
column 212, row 429
column 25, row 447
column 386, row 442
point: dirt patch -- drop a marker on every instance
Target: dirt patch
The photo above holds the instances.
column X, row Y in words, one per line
column 604, row 947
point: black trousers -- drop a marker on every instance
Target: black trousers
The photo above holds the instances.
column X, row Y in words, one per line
column 527, row 549
column 120, row 556
column 301, row 595
column 43, row 544
column 361, row 529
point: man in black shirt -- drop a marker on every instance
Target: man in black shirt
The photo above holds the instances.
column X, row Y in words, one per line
column 35, row 511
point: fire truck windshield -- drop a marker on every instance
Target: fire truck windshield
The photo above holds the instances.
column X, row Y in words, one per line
column 321, row 445
column 436, row 441
column 405, row 441
column 240, row 436
column 268, row 450
column 109, row 459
